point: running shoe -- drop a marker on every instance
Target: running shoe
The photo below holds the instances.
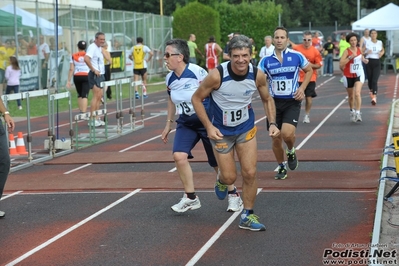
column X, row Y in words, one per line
column 306, row 119
column 358, row 117
column 374, row 100
column 292, row 160
column 137, row 95
column 281, row 173
column 220, row 189
column 250, row 222
column 186, row 204
column 2, row 214
column 101, row 122
column 94, row 123
column 145, row 96
column 235, row 202
column 353, row 117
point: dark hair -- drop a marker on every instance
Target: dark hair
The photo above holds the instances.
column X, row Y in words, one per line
column 211, row 39
column 372, row 31
column 350, row 35
column 240, row 42
column 181, row 47
column 307, row 33
column 82, row 45
column 139, row 39
column 99, row 33
column 14, row 62
column 281, row 28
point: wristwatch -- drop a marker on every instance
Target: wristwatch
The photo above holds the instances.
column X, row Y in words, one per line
column 6, row 113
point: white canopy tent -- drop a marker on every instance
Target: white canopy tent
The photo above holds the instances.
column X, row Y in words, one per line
column 383, row 19
column 28, row 19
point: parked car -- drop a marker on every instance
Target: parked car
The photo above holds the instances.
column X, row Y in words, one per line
column 336, row 37
column 295, row 36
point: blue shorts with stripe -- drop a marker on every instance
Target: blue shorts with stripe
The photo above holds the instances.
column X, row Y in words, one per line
column 189, row 132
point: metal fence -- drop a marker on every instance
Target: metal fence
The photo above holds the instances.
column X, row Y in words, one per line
column 22, row 23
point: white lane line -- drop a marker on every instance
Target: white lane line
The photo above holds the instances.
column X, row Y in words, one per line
column 55, row 238
column 143, row 142
column 76, row 169
column 10, row 195
column 215, row 237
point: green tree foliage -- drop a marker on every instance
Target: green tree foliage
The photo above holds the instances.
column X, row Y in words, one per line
column 256, row 19
column 196, row 18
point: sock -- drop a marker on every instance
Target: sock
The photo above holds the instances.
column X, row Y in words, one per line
column 234, row 191
column 292, row 150
column 357, row 111
column 246, row 212
column 191, row 195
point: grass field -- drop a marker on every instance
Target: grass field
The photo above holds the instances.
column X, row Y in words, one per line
column 39, row 105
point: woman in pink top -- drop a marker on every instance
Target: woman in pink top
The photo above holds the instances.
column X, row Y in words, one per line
column 12, row 75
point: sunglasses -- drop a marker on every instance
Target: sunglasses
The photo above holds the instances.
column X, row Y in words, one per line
column 307, row 40
column 167, row 55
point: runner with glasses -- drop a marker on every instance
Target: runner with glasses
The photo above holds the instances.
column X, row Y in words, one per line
column 182, row 82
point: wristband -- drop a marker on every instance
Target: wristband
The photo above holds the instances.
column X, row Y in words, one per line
column 6, row 113
column 273, row 124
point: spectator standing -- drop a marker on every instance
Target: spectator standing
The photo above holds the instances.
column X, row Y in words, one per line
column 44, row 55
column 373, row 51
column 343, row 44
column 5, row 162
column 362, row 44
column 232, row 128
column 79, row 70
column 316, row 42
column 315, row 61
column 139, row 52
column 351, row 65
column 212, row 52
column 107, row 66
column 268, row 49
column 192, row 46
column 32, row 46
column 254, row 52
column 94, row 59
column 328, row 51
column 282, row 70
column 182, row 82
column 12, row 75
column 226, row 48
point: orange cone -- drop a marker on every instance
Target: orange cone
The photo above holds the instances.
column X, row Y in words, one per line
column 13, row 150
column 21, row 145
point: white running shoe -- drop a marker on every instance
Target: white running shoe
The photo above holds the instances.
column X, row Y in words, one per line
column 96, row 123
column 358, row 117
column 2, row 214
column 186, row 204
column 306, row 119
column 101, row 122
column 353, row 117
column 235, row 202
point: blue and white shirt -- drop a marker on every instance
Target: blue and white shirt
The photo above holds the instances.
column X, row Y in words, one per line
column 283, row 77
column 182, row 88
column 230, row 108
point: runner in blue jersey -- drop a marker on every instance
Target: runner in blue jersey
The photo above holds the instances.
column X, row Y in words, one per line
column 230, row 122
column 282, row 70
column 182, row 82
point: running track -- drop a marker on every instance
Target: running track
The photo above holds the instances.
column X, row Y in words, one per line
column 109, row 204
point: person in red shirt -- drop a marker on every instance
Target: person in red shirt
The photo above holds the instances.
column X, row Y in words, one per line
column 351, row 65
column 314, row 57
column 212, row 52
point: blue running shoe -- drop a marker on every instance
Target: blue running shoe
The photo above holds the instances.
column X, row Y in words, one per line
column 145, row 96
column 250, row 222
column 137, row 95
column 220, row 189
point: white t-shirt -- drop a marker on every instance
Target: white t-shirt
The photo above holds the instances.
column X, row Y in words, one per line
column 96, row 57
column 264, row 51
column 43, row 49
column 375, row 49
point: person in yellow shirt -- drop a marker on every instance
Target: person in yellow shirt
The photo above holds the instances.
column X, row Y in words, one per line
column 138, row 56
column 2, row 65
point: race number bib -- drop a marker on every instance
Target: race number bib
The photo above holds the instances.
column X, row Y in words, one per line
column 356, row 67
column 282, row 87
column 233, row 118
column 185, row 108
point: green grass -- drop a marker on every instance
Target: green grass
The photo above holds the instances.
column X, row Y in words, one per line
column 39, row 105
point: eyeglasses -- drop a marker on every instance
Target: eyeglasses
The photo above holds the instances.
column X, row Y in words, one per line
column 307, row 40
column 167, row 55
